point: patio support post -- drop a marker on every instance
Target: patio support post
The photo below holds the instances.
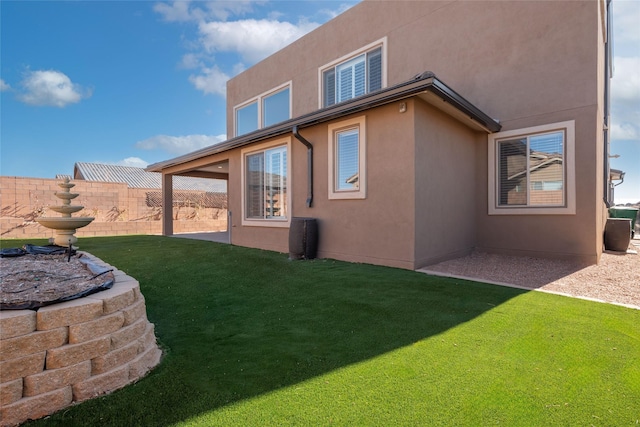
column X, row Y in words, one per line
column 167, row 204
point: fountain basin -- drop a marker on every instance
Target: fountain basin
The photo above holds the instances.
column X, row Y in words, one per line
column 65, row 196
column 64, row 227
column 66, row 210
column 64, row 223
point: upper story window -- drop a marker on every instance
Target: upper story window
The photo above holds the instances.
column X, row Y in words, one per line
column 264, row 110
column 532, row 171
column 354, row 75
column 247, row 118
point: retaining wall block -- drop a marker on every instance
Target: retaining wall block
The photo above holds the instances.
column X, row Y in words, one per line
column 105, row 325
column 128, row 334
column 35, row 407
column 101, row 384
column 53, row 379
column 115, row 358
column 121, row 295
column 75, row 353
column 10, row 392
column 68, row 313
column 35, row 342
column 134, row 312
column 14, row 323
column 22, row 366
column 147, row 340
column 144, row 362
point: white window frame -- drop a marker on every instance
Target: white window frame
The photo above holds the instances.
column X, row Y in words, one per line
column 266, row 222
column 260, row 100
column 333, row 129
column 382, row 43
column 569, row 208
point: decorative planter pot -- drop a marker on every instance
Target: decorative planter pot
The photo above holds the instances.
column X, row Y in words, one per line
column 617, row 234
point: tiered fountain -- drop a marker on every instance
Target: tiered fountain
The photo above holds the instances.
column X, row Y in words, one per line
column 65, row 226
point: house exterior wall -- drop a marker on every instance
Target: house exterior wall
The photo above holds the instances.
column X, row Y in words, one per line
column 525, row 63
column 445, row 170
column 378, row 229
column 559, row 236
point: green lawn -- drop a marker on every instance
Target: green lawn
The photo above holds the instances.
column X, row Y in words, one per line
column 252, row 339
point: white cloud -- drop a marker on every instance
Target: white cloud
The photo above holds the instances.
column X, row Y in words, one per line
column 252, row 39
column 624, row 131
column 626, row 15
column 190, row 61
column 238, row 41
column 178, row 11
column 222, row 10
column 51, row 88
column 625, row 99
column 210, row 80
column 625, row 84
column 179, row 144
column 4, row 86
column 185, row 10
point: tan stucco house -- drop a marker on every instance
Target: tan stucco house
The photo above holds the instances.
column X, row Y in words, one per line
column 417, row 131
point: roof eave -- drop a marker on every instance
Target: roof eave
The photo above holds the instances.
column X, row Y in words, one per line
column 422, row 84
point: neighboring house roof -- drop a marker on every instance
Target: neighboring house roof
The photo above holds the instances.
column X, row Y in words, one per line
column 139, row 178
column 538, row 161
column 426, row 85
column 62, row 177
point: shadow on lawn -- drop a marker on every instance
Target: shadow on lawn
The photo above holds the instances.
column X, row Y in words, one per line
column 237, row 322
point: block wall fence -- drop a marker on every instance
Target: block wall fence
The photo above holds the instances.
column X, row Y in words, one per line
column 73, row 351
column 117, row 209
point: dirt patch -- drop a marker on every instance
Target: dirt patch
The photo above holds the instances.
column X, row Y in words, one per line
column 33, row 281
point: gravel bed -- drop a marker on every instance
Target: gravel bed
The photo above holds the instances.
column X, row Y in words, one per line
column 616, row 279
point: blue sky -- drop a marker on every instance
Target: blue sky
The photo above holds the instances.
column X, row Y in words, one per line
column 137, row 82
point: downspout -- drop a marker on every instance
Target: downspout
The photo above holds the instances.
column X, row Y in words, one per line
column 607, row 102
column 309, row 164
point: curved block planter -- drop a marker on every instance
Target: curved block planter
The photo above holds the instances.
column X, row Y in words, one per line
column 73, row 351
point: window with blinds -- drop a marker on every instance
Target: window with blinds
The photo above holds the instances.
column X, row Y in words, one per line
column 347, row 160
column 352, row 78
column 266, row 184
column 347, row 151
column 531, row 170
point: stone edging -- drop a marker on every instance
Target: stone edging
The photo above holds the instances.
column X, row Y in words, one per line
column 73, row 351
